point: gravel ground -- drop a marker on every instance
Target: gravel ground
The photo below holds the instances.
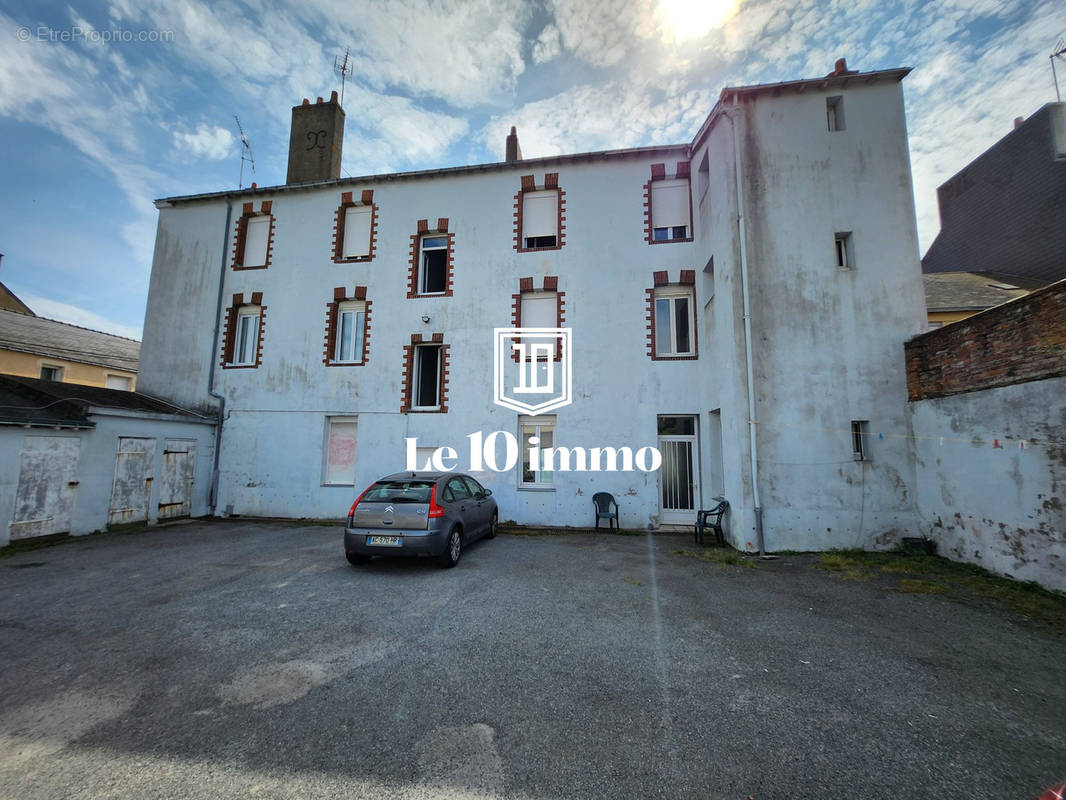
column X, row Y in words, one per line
column 247, row 659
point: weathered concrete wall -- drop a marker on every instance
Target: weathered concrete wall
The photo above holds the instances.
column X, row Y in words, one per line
column 94, row 470
column 992, row 478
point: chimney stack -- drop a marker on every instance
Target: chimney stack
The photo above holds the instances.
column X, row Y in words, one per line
column 315, row 141
column 1018, row 121
column 514, row 152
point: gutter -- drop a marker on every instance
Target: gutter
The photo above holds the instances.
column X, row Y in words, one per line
column 748, row 359
column 213, row 497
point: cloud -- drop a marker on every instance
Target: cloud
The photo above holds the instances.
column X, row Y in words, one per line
column 206, row 142
column 604, row 32
column 547, row 46
column 75, row 315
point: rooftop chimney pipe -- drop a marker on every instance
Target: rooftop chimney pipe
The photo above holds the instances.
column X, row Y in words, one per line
column 315, row 141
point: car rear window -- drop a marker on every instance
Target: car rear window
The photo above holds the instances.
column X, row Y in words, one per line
column 410, row 491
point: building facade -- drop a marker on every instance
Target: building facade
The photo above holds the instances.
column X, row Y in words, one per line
column 738, row 302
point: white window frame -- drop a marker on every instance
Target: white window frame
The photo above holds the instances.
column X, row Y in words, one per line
column 422, row 250
column 357, row 310
column 537, row 425
column 540, row 195
column 834, row 113
column 327, row 441
column 243, row 313
column 843, row 250
column 59, row 372
column 260, row 257
column 350, row 243
column 671, row 293
column 671, row 228
column 416, row 377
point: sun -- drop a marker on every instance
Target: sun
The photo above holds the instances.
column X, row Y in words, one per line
column 690, row 19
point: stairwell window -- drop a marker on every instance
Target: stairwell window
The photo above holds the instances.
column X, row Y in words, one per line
column 834, row 113
column 843, row 250
column 247, row 341
column 673, row 322
column 860, row 435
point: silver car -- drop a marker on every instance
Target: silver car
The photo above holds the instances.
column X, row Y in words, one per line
column 419, row 514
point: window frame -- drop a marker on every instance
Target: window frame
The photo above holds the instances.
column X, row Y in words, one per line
column 536, row 194
column 538, row 423
column 844, row 250
column 244, row 312
column 834, row 113
column 340, row 223
column 671, row 293
column 860, row 436
column 530, row 187
column 357, row 308
column 444, row 249
column 658, row 179
column 57, row 369
column 128, row 378
column 416, row 376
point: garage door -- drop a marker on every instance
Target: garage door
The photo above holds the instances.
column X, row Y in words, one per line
column 175, row 490
column 47, row 485
column 132, row 488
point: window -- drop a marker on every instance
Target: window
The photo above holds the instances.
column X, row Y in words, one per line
column 339, row 456
column 540, row 309
column 537, row 432
column 834, row 113
column 350, row 327
column 49, row 373
column 425, row 389
column 456, row 490
column 859, row 437
column 670, row 209
column 842, row 246
column 123, row 382
column 434, row 273
column 357, row 224
column 540, row 218
column 673, row 322
column 256, row 239
column 247, row 336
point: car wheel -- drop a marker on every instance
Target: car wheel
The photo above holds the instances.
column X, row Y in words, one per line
column 356, row 559
column 491, row 532
column 451, row 554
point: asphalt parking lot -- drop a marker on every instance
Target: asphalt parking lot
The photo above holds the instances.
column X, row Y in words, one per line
column 248, row 659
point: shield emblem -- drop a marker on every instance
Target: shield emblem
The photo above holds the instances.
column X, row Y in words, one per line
column 532, row 369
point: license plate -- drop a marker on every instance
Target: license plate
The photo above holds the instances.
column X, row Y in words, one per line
column 385, row 541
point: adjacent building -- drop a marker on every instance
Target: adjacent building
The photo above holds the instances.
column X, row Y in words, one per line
column 738, row 302
column 35, row 347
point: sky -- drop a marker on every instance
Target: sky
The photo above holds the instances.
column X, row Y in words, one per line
column 106, row 106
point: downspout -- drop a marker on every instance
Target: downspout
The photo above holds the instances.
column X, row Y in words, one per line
column 748, row 359
column 213, row 501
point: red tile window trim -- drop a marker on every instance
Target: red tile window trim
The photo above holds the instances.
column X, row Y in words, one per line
column 341, row 295
column 525, row 286
column 551, row 181
column 423, row 229
column 240, row 235
column 347, row 201
column 660, row 280
column 658, row 173
column 229, row 331
column 407, row 374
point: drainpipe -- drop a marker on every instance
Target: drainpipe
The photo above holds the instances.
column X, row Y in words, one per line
column 213, row 501
column 748, row 360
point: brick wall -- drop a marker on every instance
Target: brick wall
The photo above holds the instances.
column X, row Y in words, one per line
column 1023, row 340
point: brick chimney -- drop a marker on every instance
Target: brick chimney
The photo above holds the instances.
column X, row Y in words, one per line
column 841, row 68
column 1018, row 121
column 514, row 152
column 315, row 141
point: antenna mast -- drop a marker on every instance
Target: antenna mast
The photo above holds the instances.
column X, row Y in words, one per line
column 246, row 153
column 342, row 65
column 1059, row 52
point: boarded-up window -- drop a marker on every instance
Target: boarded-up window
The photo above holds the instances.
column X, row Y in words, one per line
column 670, row 209
column 540, row 218
column 540, row 310
column 357, row 231
column 340, row 451
column 256, row 234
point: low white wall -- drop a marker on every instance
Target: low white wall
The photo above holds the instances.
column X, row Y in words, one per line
column 1001, row 507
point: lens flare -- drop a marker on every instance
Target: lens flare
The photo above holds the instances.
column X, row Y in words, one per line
column 691, row 19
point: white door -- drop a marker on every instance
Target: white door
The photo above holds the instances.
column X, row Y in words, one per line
column 679, row 491
column 48, row 483
column 175, row 490
column 132, row 488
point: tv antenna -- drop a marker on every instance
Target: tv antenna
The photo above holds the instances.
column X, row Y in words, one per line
column 246, row 152
column 1060, row 51
column 342, row 65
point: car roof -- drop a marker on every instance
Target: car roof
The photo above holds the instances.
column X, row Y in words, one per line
column 422, row 476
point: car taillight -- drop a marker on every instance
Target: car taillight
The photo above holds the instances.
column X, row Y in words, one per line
column 351, row 511
column 434, row 509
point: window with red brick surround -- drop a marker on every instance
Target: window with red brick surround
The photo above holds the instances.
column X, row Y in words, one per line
column 542, row 195
column 358, row 352
column 416, row 369
column 526, row 291
column 674, row 222
column 253, row 240
column 432, row 260
column 236, row 334
column 663, row 290
column 368, row 228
